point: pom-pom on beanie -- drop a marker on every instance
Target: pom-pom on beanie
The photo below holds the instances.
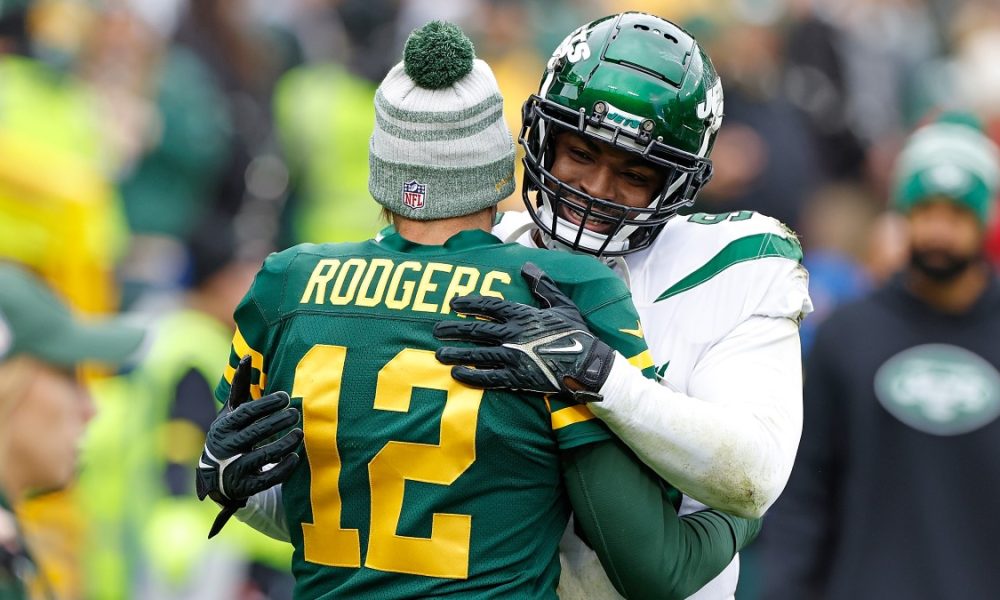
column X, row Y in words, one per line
column 440, row 147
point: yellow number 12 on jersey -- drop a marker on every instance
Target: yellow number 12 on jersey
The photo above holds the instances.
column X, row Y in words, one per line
column 318, row 378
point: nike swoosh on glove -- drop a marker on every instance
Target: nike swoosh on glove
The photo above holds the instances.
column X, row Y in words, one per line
column 523, row 348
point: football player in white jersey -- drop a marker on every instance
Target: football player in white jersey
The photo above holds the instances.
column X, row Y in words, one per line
column 617, row 141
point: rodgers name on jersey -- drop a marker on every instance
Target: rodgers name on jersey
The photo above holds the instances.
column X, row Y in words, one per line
column 398, row 284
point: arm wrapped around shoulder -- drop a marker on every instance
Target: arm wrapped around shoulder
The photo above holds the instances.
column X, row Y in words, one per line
column 730, row 441
column 624, row 511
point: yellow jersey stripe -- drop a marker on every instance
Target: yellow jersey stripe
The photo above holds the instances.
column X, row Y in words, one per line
column 570, row 415
column 242, row 348
column 642, row 360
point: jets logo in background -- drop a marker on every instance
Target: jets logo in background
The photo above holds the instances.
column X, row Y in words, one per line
column 939, row 389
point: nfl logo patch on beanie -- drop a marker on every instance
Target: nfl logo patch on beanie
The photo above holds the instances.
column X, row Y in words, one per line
column 413, row 194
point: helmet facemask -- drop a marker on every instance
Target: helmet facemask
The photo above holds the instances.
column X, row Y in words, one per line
column 630, row 229
column 641, row 85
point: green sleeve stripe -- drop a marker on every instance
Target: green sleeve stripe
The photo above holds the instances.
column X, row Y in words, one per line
column 752, row 247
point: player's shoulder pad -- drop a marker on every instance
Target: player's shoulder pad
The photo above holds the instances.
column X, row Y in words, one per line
column 704, row 245
column 509, row 222
column 751, row 259
column 718, row 230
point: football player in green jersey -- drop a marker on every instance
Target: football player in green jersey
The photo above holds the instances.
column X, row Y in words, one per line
column 409, row 484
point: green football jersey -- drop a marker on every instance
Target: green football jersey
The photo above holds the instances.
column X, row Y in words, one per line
column 412, row 484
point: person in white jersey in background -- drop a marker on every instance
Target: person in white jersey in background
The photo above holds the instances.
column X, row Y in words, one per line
column 617, row 141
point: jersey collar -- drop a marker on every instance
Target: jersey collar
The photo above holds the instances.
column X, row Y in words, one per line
column 469, row 239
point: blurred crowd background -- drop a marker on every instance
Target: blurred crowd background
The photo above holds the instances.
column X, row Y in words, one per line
column 152, row 152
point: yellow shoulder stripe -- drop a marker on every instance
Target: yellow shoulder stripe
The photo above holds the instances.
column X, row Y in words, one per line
column 570, row 415
column 242, row 348
column 642, row 360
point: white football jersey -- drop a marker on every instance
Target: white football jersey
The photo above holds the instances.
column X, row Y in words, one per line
column 707, row 283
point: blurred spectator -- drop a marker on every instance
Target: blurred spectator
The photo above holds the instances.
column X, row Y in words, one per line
column 764, row 157
column 44, row 407
column 160, row 412
column 59, row 210
column 187, row 137
column 816, row 81
column 178, row 378
column 324, row 116
column 893, row 493
column 836, row 227
column 208, row 143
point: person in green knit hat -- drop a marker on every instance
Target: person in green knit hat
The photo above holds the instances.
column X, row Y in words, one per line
column 44, row 407
column 167, row 430
column 902, row 395
column 343, row 434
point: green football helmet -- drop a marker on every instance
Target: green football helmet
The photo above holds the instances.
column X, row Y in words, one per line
column 639, row 83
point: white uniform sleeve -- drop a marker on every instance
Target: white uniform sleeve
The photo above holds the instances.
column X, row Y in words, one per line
column 264, row 513
column 731, row 443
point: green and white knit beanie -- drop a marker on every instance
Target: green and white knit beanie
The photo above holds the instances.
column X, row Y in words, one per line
column 949, row 158
column 440, row 147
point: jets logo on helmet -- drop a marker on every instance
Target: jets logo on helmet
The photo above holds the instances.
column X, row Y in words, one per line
column 574, row 48
column 643, row 85
column 624, row 119
column 711, row 108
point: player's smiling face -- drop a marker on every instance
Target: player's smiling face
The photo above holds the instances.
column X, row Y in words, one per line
column 604, row 172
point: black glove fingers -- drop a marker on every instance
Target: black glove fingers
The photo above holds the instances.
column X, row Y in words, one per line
column 481, row 378
column 265, row 428
column 488, row 307
column 480, row 357
column 242, row 417
column 239, row 391
column 482, row 332
column 280, row 472
column 543, row 288
column 273, row 452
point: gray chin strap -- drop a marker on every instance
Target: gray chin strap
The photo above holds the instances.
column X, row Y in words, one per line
column 589, row 240
column 617, row 263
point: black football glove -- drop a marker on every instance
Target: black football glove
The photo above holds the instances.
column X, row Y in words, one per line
column 234, row 464
column 523, row 348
